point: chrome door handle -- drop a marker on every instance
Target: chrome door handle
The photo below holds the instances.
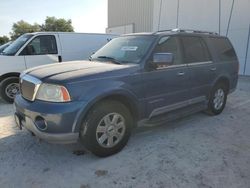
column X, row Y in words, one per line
column 213, row 69
column 180, row 73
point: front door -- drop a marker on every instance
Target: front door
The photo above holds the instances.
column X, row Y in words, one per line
column 166, row 88
column 41, row 50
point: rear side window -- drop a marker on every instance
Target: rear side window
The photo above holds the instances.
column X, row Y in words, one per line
column 41, row 45
column 224, row 49
column 195, row 50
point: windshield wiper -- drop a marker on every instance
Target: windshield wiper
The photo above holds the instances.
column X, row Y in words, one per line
column 110, row 58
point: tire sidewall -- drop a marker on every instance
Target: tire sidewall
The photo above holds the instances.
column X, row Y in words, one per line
column 89, row 126
column 3, row 86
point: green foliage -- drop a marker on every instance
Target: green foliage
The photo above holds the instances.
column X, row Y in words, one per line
column 22, row 27
column 4, row 39
column 54, row 24
column 51, row 24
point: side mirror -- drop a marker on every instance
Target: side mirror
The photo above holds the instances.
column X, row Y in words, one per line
column 163, row 59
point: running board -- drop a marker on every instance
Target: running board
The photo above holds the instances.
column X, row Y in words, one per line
column 174, row 115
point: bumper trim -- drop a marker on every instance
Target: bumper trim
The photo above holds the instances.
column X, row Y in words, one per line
column 62, row 138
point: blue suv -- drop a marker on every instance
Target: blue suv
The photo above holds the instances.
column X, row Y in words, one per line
column 145, row 77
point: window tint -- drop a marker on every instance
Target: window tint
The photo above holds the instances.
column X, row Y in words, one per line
column 224, row 49
column 169, row 45
column 195, row 50
column 41, row 45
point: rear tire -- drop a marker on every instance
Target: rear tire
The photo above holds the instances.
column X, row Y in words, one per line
column 107, row 128
column 9, row 88
column 217, row 99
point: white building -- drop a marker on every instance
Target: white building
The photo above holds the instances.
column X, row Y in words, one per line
column 227, row 17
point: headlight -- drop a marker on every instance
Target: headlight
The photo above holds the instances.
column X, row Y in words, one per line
column 53, row 93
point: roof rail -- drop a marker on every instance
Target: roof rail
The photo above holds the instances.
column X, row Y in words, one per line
column 177, row 30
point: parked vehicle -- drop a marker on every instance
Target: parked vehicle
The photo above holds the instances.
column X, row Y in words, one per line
column 35, row 49
column 2, row 47
column 144, row 78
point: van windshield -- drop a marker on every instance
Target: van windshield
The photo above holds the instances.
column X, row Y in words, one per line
column 16, row 45
column 126, row 49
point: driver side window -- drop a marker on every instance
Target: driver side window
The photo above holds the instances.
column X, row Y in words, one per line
column 41, row 45
column 169, row 45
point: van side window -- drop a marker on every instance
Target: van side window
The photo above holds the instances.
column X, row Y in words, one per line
column 195, row 50
column 224, row 48
column 169, row 45
column 41, row 45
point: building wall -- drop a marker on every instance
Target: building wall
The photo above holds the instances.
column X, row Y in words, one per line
column 227, row 17
column 139, row 13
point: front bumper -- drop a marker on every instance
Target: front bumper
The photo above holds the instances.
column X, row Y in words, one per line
column 63, row 138
column 58, row 117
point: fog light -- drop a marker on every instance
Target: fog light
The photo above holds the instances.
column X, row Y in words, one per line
column 41, row 123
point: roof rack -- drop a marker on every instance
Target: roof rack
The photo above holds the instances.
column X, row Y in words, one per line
column 177, row 30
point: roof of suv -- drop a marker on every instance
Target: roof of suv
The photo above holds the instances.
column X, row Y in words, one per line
column 179, row 32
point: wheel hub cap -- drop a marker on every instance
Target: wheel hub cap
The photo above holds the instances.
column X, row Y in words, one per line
column 110, row 130
column 218, row 99
column 12, row 90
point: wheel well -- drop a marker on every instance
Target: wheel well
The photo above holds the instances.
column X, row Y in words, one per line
column 12, row 74
column 119, row 98
column 225, row 81
column 125, row 101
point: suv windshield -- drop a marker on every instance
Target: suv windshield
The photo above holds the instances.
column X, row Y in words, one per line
column 16, row 45
column 127, row 49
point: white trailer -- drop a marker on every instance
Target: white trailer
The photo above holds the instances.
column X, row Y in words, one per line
column 41, row 48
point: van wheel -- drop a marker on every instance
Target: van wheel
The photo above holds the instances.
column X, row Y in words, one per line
column 9, row 88
column 217, row 100
column 106, row 129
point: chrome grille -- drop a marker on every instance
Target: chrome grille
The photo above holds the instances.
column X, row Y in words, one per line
column 29, row 86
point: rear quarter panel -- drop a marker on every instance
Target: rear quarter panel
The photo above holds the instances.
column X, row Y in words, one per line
column 225, row 69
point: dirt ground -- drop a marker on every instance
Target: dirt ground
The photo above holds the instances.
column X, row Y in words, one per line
column 196, row 151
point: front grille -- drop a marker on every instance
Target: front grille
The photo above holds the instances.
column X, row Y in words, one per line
column 29, row 86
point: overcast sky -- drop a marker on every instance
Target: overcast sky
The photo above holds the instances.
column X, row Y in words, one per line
column 86, row 15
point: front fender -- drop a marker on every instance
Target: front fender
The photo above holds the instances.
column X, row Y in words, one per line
column 101, row 92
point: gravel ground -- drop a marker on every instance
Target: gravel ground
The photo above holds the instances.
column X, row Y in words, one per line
column 196, row 151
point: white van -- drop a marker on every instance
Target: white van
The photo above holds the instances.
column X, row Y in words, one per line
column 41, row 48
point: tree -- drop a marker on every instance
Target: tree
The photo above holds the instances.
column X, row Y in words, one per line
column 51, row 24
column 22, row 27
column 4, row 39
column 54, row 24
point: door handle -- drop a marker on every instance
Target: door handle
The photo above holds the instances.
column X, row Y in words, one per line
column 59, row 58
column 180, row 73
column 213, row 69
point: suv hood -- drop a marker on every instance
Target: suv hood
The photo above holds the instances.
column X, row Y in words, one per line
column 78, row 70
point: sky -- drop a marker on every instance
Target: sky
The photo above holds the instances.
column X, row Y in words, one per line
column 88, row 16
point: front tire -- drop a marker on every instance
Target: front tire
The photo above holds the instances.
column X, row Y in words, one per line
column 107, row 128
column 217, row 99
column 9, row 88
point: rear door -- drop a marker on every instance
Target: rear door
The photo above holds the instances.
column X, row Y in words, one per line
column 200, row 65
column 41, row 50
column 166, row 88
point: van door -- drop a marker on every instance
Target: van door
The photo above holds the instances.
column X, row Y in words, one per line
column 41, row 50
